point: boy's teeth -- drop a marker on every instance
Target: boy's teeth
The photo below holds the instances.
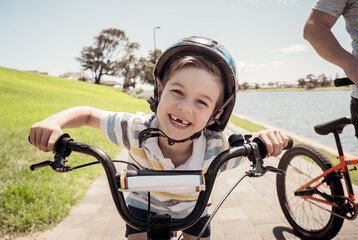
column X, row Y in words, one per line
column 179, row 121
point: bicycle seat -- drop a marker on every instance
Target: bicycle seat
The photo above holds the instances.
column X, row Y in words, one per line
column 332, row 126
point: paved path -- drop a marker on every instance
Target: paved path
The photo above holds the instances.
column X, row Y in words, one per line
column 251, row 212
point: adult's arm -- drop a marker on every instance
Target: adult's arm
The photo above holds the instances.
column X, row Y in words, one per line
column 317, row 31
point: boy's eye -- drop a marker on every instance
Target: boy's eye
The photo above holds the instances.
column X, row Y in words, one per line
column 202, row 102
column 177, row 91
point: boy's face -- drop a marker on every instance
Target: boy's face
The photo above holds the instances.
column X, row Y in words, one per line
column 187, row 102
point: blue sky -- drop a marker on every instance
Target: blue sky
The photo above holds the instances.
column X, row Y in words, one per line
column 264, row 36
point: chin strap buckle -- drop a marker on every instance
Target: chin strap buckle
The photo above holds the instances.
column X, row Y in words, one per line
column 156, row 132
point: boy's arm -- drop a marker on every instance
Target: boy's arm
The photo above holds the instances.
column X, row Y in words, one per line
column 317, row 31
column 45, row 133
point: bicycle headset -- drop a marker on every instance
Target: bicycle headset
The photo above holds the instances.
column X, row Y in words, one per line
column 214, row 52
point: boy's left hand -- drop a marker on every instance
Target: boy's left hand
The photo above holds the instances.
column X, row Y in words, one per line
column 275, row 140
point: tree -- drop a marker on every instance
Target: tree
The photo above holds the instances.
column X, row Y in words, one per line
column 310, row 77
column 130, row 70
column 104, row 57
column 312, row 81
column 244, row 86
column 323, row 80
column 310, row 86
column 147, row 66
column 301, row 83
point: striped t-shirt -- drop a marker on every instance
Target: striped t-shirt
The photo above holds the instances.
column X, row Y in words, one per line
column 123, row 129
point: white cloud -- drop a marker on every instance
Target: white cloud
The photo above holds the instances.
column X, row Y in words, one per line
column 252, row 1
column 253, row 67
column 250, row 67
column 293, row 49
column 285, row 1
column 279, row 1
column 277, row 63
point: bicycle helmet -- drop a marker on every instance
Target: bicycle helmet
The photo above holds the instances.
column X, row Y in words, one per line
column 216, row 53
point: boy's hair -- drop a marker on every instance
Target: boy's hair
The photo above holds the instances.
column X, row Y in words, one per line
column 199, row 62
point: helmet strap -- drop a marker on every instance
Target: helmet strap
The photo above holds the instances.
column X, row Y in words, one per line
column 156, row 132
column 220, row 109
column 153, row 103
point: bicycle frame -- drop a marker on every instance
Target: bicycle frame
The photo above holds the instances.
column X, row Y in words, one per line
column 339, row 168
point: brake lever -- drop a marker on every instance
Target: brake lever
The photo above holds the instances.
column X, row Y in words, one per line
column 258, row 154
column 57, row 165
column 257, row 158
column 60, row 157
column 40, row 165
column 274, row 170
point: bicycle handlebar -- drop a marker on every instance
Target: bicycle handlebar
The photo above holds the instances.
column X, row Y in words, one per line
column 255, row 151
column 339, row 82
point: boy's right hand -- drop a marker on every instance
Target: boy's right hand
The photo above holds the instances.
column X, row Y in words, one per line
column 44, row 134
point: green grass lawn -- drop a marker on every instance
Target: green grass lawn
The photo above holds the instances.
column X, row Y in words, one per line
column 32, row 201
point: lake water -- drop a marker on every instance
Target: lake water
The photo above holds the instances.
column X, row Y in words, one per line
column 299, row 112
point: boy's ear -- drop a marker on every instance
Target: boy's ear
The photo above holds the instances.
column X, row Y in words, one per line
column 160, row 90
column 216, row 117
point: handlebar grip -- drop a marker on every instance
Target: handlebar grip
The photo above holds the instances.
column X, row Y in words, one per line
column 289, row 144
column 342, row 82
column 262, row 146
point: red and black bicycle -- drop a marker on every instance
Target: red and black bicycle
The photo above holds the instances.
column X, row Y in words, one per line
column 311, row 194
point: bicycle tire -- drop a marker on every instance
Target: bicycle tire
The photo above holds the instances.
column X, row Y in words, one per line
column 305, row 217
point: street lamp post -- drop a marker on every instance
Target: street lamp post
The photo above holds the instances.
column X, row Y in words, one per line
column 155, row 55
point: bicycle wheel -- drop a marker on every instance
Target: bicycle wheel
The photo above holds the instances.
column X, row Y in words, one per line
column 310, row 219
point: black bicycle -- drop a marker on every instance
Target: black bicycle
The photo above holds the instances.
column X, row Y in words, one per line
column 164, row 226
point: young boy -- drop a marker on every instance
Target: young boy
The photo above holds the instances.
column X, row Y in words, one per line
column 193, row 100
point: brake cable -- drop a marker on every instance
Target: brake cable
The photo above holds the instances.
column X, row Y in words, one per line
column 96, row 162
column 220, row 203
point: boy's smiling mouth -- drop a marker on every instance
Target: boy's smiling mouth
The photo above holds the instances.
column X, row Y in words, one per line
column 179, row 122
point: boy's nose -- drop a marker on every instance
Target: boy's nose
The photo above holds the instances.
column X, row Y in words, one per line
column 185, row 106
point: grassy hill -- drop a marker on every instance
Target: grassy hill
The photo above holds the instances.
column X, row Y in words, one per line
column 32, row 201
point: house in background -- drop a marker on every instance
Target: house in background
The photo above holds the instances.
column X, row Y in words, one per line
column 79, row 76
column 84, row 76
column 35, row 71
